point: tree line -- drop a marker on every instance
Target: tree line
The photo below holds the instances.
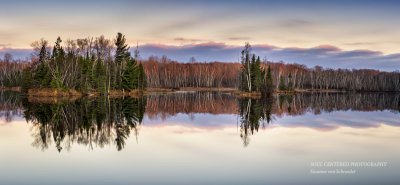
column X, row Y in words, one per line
column 297, row 76
column 165, row 73
column 104, row 65
column 264, row 76
column 86, row 65
column 11, row 71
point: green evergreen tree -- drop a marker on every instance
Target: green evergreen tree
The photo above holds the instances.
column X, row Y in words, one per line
column 56, row 82
column 256, row 74
column 42, row 77
column 270, row 83
column 282, row 84
column 26, row 80
column 290, row 84
column 130, row 78
column 245, row 75
column 58, row 52
column 86, row 71
column 100, row 73
column 122, row 55
column 268, row 86
column 142, row 82
column 252, row 72
column 113, row 76
column 92, row 75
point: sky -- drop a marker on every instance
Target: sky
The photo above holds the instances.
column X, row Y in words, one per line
column 346, row 34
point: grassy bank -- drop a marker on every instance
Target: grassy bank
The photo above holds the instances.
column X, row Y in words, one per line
column 10, row 88
column 191, row 89
column 50, row 92
column 246, row 94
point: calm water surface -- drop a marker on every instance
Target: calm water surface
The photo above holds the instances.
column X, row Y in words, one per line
column 201, row 138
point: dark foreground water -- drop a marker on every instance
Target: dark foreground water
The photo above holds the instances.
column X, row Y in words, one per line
column 201, row 138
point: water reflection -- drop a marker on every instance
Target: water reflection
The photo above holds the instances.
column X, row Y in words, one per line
column 163, row 106
column 106, row 121
column 256, row 113
column 10, row 105
column 253, row 113
column 101, row 121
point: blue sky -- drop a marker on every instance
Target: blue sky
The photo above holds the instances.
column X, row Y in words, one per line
column 367, row 29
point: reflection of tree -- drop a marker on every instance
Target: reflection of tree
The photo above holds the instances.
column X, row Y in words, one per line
column 166, row 105
column 102, row 121
column 89, row 122
column 299, row 104
column 252, row 112
column 10, row 105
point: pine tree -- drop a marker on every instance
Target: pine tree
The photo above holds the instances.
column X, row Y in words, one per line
column 282, row 85
column 26, row 80
column 113, row 76
column 290, row 84
column 42, row 77
column 86, row 71
column 130, row 77
column 142, row 83
column 268, row 87
column 121, row 55
column 56, row 82
column 257, row 77
column 92, row 74
column 252, row 72
column 100, row 73
column 270, row 83
column 246, row 69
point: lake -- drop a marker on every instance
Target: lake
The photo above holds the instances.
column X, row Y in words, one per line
column 201, row 138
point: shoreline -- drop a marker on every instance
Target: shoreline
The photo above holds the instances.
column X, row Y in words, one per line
column 49, row 92
column 10, row 88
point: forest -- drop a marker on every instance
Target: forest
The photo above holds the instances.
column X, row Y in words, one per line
column 103, row 65
column 85, row 65
column 252, row 74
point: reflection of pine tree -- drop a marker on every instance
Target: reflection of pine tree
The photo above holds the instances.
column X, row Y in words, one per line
column 86, row 121
column 252, row 112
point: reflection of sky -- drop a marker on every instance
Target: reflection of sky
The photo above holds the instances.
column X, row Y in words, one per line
column 173, row 155
column 323, row 121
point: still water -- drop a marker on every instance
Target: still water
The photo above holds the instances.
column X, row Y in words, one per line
column 201, row 138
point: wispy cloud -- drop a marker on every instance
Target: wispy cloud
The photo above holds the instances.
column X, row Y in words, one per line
column 240, row 38
column 183, row 39
column 295, row 23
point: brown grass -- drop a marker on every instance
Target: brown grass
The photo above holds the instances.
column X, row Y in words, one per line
column 11, row 88
column 49, row 92
column 319, row 90
column 288, row 92
column 159, row 90
column 247, row 94
column 190, row 89
column 207, row 89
